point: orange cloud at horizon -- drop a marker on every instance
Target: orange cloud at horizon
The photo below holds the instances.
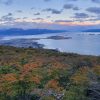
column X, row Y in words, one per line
column 42, row 21
column 85, row 23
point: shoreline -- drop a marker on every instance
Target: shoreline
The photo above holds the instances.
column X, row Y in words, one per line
column 63, row 43
column 55, row 50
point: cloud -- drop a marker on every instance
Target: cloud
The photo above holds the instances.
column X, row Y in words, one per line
column 47, row 0
column 48, row 17
column 56, row 11
column 81, row 15
column 38, row 18
column 37, row 14
column 24, row 17
column 53, row 11
column 95, row 10
column 72, row 0
column 68, row 6
column 9, row 14
column 32, row 8
column 96, row 1
column 6, row 2
column 7, row 18
column 58, row 24
column 19, row 11
column 60, row 21
column 76, row 8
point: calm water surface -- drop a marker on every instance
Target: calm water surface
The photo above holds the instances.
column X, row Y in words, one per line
column 81, row 43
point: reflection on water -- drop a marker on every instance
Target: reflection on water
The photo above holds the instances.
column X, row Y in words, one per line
column 80, row 43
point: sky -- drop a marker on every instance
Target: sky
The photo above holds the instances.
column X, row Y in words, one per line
column 50, row 14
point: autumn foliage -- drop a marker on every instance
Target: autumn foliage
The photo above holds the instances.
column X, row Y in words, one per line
column 31, row 74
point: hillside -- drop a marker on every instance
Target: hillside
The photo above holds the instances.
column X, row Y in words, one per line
column 17, row 31
column 40, row 74
column 92, row 30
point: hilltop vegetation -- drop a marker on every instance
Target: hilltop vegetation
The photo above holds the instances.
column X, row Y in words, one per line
column 40, row 74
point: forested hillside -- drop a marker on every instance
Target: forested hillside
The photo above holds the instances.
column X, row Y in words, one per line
column 40, row 74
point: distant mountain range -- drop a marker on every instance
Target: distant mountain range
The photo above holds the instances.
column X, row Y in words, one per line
column 92, row 30
column 17, row 31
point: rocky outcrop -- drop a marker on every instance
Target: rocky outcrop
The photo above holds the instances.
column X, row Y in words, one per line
column 94, row 91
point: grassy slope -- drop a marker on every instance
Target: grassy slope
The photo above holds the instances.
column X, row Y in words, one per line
column 30, row 74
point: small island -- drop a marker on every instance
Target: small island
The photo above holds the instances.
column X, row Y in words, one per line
column 53, row 37
column 58, row 37
column 32, row 42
